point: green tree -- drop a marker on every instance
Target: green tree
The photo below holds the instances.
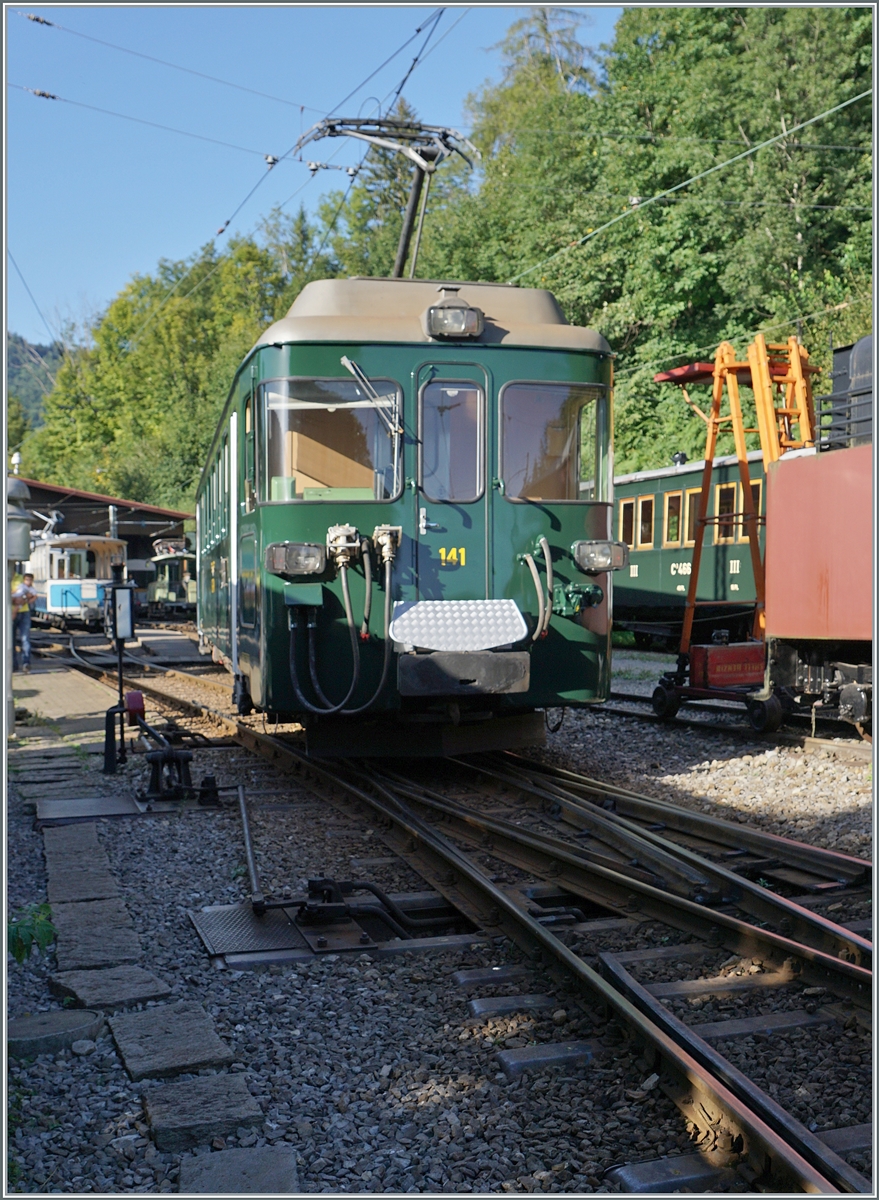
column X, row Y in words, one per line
column 766, row 242
column 16, row 423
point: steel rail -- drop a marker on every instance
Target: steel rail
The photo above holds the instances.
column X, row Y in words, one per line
column 567, row 866
column 698, row 1094
column 706, row 1101
column 830, row 863
column 795, row 1133
column 807, row 926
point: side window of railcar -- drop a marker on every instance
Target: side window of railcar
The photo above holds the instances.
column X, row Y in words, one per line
column 691, row 515
column 645, row 522
column 725, row 509
column 249, row 454
column 451, row 438
column 248, row 591
column 554, row 441
column 756, row 495
column 326, row 439
column 627, row 523
column 671, row 520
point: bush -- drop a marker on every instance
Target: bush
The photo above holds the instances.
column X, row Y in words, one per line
column 30, row 926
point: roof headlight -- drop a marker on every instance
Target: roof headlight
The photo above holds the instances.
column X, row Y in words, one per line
column 454, row 321
column 295, row 558
column 596, row 557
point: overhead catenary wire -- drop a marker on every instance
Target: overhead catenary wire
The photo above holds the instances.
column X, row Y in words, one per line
column 823, row 312
column 593, row 233
column 134, row 341
column 141, row 121
column 163, row 62
column 30, row 293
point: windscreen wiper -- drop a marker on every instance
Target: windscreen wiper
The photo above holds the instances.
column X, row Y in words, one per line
column 373, row 395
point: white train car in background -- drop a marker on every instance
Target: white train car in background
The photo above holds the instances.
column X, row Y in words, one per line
column 71, row 572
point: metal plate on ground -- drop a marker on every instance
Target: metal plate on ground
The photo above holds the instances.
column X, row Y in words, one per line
column 235, row 929
column 340, row 935
column 457, row 624
column 88, row 808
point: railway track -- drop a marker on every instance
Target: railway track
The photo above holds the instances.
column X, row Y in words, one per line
column 582, row 854
column 841, row 737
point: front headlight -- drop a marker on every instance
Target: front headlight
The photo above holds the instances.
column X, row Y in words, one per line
column 454, row 320
column 295, row 558
column 596, row 557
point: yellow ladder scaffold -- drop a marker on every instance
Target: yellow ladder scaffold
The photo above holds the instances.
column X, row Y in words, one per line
column 780, row 376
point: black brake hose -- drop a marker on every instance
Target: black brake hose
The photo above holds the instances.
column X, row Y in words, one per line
column 348, row 712
column 367, row 576
column 355, row 652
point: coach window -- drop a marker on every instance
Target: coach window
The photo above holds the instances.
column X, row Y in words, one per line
column 645, row 522
column 451, row 438
column 327, row 439
column 555, row 441
column 671, row 522
column 756, row 494
column 725, row 511
column 627, row 523
column 691, row 515
column 249, row 454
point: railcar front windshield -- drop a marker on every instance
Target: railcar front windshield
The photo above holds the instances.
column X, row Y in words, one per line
column 555, row 441
column 325, row 439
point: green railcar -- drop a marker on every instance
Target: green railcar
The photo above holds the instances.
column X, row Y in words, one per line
column 655, row 517
column 439, row 454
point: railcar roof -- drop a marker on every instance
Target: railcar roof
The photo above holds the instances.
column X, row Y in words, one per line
column 392, row 310
column 686, row 468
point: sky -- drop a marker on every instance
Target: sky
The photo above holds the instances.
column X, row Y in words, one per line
column 92, row 200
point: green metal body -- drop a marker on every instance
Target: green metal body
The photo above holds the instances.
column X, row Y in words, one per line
column 650, row 594
column 569, row 666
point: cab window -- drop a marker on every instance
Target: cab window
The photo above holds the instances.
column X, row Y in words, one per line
column 554, row 441
column 326, row 439
column 645, row 522
column 451, row 440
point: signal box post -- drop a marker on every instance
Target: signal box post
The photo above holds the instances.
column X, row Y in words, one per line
column 119, row 627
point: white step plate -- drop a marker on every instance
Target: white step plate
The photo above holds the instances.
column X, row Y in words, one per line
column 457, row 624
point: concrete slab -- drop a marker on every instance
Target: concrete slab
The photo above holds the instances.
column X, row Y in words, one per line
column 514, row 1063
column 192, row 1112
column 493, row 1006
column 695, row 1172
column 52, row 811
column 168, row 1040
column 766, row 1023
column 69, row 882
column 96, row 933
column 262, row 1170
column 481, row 975
column 110, row 988
column 849, row 1139
column 58, row 695
column 49, row 1032
column 83, row 838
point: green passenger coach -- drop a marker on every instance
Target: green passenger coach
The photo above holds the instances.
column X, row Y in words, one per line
column 404, row 523
column 655, row 518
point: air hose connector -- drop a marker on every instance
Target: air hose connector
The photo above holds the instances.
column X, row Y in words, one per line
column 343, row 544
column 386, row 539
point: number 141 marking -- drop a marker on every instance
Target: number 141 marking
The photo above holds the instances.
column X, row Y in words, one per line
column 456, row 557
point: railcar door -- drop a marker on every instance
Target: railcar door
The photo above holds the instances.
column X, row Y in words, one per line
column 451, row 494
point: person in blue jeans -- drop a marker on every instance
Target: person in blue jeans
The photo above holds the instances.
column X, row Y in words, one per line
column 24, row 597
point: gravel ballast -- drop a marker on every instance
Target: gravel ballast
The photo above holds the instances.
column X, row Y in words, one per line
column 371, row 1068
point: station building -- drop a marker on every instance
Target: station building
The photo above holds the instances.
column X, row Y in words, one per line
column 75, row 511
